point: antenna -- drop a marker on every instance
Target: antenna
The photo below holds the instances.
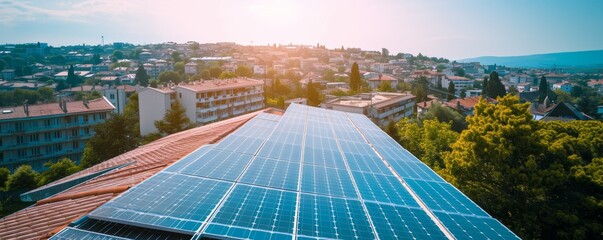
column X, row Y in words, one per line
column 103, row 40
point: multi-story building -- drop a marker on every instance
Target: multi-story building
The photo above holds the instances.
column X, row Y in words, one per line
column 211, row 101
column 380, row 107
column 460, row 83
column 205, row 101
column 37, row 134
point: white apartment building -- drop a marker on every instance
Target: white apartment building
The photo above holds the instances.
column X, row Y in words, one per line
column 381, row 107
column 460, row 83
column 215, row 100
column 205, row 101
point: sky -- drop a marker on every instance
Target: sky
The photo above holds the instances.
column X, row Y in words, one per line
column 453, row 29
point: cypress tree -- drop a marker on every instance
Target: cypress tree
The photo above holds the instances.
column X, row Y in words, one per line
column 451, row 91
column 485, row 87
column 72, row 79
column 355, row 77
column 543, row 89
column 142, row 77
column 495, row 86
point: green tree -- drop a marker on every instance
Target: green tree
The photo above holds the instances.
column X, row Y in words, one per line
column 96, row 59
column 458, row 71
column 463, row 93
column 46, row 94
column 445, row 114
column 355, row 78
column 313, row 96
column 485, row 87
column 72, row 79
column 179, row 67
column 169, row 76
column 428, row 140
column 57, row 60
column 117, row 54
column 4, row 175
column 61, row 84
column 176, row 57
column 227, row 75
column 58, row 170
column 451, row 91
column 440, row 67
column 113, row 137
column 154, row 84
column 420, row 89
column 543, row 89
column 2, row 64
column 141, row 77
column 243, row 71
column 385, row 86
column 175, row 120
column 23, row 178
column 495, row 87
column 281, row 102
column 215, row 72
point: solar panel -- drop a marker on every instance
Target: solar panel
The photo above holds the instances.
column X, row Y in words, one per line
column 249, row 210
column 272, row 173
column 309, row 174
column 70, row 233
column 330, row 217
column 166, row 201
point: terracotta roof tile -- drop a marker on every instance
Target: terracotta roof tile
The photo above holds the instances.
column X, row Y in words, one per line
column 47, row 109
column 43, row 219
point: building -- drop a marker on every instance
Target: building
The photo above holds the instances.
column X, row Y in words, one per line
column 215, row 100
column 556, row 112
column 460, row 83
column 466, row 105
column 380, row 107
column 8, row 74
column 204, row 101
column 153, row 103
column 307, row 173
column 374, row 82
column 563, row 86
column 36, row 134
column 190, row 68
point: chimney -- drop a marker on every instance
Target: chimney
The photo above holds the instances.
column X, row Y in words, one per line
column 64, row 105
column 86, row 102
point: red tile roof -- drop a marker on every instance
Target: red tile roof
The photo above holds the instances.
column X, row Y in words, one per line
column 50, row 215
column 47, row 109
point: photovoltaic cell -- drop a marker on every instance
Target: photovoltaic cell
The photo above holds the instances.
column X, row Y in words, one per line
column 250, row 209
column 70, row 233
column 218, row 165
column 335, row 218
column 441, row 196
column 166, row 201
column 249, row 186
column 327, row 181
column 383, row 188
column 397, row 222
column 272, row 173
column 465, row 227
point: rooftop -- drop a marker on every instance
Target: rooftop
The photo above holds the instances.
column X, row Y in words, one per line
column 375, row 99
column 50, row 215
column 50, row 109
column 221, row 84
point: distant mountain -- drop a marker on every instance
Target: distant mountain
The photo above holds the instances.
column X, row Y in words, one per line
column 582, row 59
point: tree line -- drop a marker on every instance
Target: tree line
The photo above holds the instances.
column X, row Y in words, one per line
column 544, row 180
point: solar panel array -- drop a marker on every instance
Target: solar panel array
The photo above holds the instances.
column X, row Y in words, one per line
column 310, row 174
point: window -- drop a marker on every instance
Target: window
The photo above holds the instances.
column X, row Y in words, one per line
column 75, row 144
column 86, row 130
column 47, row 122
column 57, row 134
column 20, row 140
column 49, row 149
column 111, row 96
column 73, row 132
column 35, row 151
column 33, row 138
column 47, row 136
column 85, row 118
column 21, row 153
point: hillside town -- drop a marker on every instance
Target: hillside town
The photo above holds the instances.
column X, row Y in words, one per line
column 216, row 81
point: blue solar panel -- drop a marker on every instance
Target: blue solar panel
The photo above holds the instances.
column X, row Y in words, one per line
column 323, row 157
column 383, row 188
column 281, row 151
column 272, row 173
column 465, row 227
column 366, row 163
column 397, row 222
column 240, row 144
column 335, row 218
column 213, row 165
column 70, row 233
column 310, row 174
column 252, row 209
column 166, row 201
column 441, row 196
column 327, row 181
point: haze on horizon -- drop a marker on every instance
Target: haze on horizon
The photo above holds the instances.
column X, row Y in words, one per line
column 451, row 29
